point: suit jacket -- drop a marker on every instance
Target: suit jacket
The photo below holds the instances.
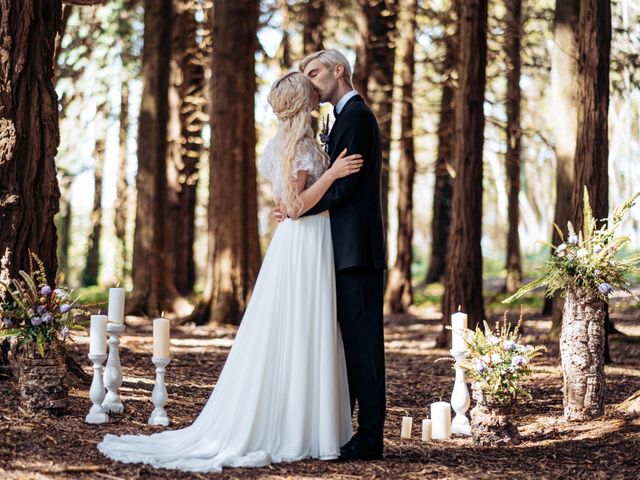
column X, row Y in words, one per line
column 354, row 201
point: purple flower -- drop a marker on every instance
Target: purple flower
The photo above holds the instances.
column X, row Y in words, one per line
column 65, row 307
column 47, row 318
column 40, row 309
column 65, row 332
column 480, row 365
column 573, row 239
column 597, row 249
column 324, row 138
column 61, row 294
column 46, row 290
column 596, row 273
column 7, row 323
column 604, row 288
column 35, row 321
column 509, row 345
column 518, row 360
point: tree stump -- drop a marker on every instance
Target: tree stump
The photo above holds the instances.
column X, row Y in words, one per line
column 582, row 353
column 492, row 420
column 42, row 379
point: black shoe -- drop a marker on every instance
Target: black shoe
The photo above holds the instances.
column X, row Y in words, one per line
column 355, row 449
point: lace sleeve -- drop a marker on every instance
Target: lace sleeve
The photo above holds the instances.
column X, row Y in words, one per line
column 267, row 162
column 306, row 159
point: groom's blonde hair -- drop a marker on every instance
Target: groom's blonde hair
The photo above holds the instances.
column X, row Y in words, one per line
column 330, row 59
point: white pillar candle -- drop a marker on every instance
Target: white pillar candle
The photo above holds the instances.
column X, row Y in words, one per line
column 405, row 431
column 458, row 323
column 440, row 420
column 426, row 430
column 98, row 334
column 161, row 338
column 116, row 305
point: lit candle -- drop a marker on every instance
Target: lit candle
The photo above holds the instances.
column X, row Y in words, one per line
column 458, row 324
column 440, row 420
column 98, row 334
column 405, row 431
column 426, row 430
column 116, row 305
column 160, row 338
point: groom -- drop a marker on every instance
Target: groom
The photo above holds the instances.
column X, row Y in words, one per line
column 358, row 247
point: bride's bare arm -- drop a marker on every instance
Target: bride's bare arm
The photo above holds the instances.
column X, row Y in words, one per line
column 342, row 167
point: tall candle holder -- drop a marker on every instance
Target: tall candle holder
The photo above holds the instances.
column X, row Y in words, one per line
column 460, row 399
column 159, row 395
column 96, row 393
column 113, row 371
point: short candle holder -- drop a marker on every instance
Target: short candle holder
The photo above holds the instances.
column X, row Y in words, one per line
column 113, row 371
column 159, row 395
column 96, row 393
column 460, row 399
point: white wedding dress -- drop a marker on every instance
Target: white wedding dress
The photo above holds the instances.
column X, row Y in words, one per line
column 282, row 395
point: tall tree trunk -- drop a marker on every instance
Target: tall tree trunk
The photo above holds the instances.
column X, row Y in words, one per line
column 313, row 26
column 148, row 250
column 92, row 267
column 186, row 103
column 564, row 72
column 463, row 277
column 373, row 76
column 399, row 296
column 122, row 186
column 514, row 134
column 29, row 193
column 234, row 250
column 285, row 44
column 592, row 147
column 445, row 160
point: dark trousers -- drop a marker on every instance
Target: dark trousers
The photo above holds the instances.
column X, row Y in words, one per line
column 359, row 294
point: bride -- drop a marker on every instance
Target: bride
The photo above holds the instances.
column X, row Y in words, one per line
column 282, row 395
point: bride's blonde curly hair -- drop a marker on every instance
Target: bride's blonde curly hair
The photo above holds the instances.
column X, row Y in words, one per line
column 290, row 99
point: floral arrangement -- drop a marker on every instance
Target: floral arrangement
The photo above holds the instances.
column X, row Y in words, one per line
column 33, row 311
column 587, row 259
column 324, row 132
column 497, row 360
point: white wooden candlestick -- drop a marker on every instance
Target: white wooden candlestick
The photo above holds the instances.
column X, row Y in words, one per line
column 460, row 399
column 96, row 393
column 113, row 371
column 159, row 395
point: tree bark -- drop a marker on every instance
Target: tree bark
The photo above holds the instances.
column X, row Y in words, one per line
column 122, row 186
column 445, row 160
column 234, row 250
column 148, row 250
column 313, row 26
column 373, row 76
column 92, row 266
column 564, row 72
column 581, row 350
column 399, row 296
column 514, row 134
column 29, row 193
column 463, row 277
column 186, row 104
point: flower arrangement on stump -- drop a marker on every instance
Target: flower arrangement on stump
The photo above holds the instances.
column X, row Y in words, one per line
column 585, row 268
column 39, row 318
column 496, row 364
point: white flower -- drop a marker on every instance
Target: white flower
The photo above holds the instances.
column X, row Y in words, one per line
column 493, row 340
column 573, row 239
column 581, row 253
column 485, row 358
column 597, row 248
column 561, row 247
column 496, row 358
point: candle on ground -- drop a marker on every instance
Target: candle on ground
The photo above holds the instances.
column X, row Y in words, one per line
column 426, row 430
column 160, row 338
column 407, row 423
column 116, row 305
column 440, row 420
column 98, row 334
column 458, row 324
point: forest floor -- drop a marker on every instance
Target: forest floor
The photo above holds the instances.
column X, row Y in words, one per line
column 38, row 447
